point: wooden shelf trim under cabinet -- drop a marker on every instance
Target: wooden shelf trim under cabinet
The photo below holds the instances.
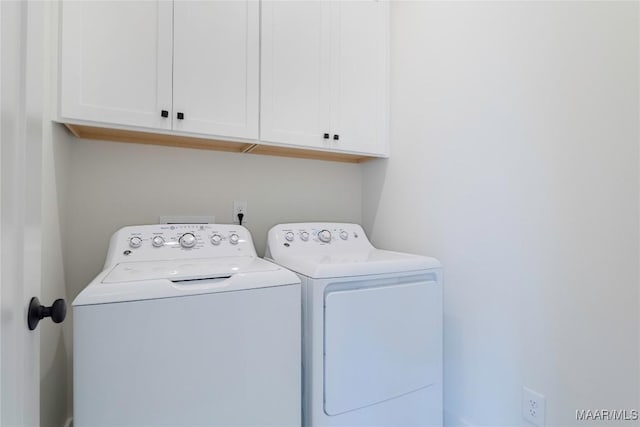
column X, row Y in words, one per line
column 120, row 135
column 136, row 137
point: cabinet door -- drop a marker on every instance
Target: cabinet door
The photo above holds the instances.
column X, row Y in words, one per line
column 295, row 72
column 215, row 67
column 116, row 62
column 359, row 75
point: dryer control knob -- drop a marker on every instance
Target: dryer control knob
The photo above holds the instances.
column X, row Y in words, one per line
column 324, row 236
column 157, row 241
column 135, row 242
column 234, row 239
column 188, row 240
column 289, row 236
column 304, row 236
column 216, row 239
column 344, row 235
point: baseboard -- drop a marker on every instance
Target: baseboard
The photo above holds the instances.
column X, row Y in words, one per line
column 456, row 420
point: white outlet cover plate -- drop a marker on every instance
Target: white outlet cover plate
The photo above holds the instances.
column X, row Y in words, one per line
column 533, row 406
column 239, row 206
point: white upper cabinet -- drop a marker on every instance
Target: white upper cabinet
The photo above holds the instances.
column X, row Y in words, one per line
column 116, row 62
column 307, row 78
column 190, row 66
column 324, row 74
column 215, row 67
column 295, row 72
column 359, row 85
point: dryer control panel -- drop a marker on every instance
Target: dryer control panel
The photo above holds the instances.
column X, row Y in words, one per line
column 179, row 241
column 311, row 238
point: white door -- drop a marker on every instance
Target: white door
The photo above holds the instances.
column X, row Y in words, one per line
column 116, row 62
column 359, row 46
column 20, row 176
column 295, row 73
column 215, row 67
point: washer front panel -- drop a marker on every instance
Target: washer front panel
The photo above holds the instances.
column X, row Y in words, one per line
column 208, row 360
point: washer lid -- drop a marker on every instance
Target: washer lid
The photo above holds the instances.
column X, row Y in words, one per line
column 140, row 281
column 186, row 269
column 357, row 263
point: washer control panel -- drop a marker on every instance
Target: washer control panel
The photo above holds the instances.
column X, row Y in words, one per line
column 315, row 237
column 177, row 241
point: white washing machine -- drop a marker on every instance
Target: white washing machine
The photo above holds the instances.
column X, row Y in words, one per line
column 186, row 326
column 372, row 327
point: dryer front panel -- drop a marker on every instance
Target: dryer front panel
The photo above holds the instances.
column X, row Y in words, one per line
column 379, row 341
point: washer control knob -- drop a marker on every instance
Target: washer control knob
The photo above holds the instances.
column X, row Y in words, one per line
column 234, row 239
column 135, row 242
column 289, row 236
column 216, row 239
column 324, row 236
column 157, row 241
column 188, row 240
column 304, row 236
column 344, row 235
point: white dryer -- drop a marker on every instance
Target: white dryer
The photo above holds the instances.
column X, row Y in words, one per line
column 186, row 326
column 372, row 327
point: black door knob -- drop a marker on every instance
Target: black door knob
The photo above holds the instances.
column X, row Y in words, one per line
column 37, row 312
column 326, row 136
column 336, row 137
column 180, row 116
column 164, row 113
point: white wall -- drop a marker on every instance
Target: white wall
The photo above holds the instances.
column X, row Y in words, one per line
column 55, row 357
column 515, row 161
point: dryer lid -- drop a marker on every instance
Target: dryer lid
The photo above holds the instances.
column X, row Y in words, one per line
column 322, row 250
column 180, row 270
column 356, row 263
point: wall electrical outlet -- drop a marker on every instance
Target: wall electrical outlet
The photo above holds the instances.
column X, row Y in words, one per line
column 239, row 206
column 533, row 406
